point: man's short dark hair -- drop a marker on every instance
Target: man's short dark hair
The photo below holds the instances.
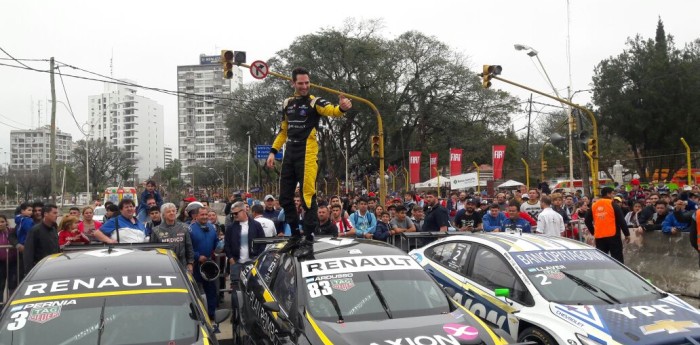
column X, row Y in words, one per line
column 323, row 206
column 297, row 71
column 335, row 206
column 384, row 213
column 38, row 204
column 494, row 205
column 606, row 190
column 363, row 199
column 126, row 201
column 400, row 208
column 432, row 192
column 150, row 197
column 112, row 208
column 25, row 205
column 108, row 203
column 257, row 209
column 390, row 207
column 151, row 183
column 545, row 200
column 661, row 202
column 74, row 209
column 48, row 208
column 154, row 209
column 514, row 203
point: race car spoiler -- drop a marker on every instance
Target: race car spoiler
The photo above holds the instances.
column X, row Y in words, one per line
column 111, row 246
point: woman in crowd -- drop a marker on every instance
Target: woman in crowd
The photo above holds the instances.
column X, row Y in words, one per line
column 88, row 225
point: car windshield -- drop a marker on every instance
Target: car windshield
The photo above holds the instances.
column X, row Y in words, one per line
column 131, row 319
column 377, row 295
column 583, row 277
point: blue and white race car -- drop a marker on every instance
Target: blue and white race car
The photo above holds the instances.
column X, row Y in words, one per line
column 552, row 290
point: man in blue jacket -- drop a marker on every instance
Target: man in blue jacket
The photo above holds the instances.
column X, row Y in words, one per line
column 239, row 247
column 494, row 219
column 514, row 223
column 204, row 244
column 673, row 225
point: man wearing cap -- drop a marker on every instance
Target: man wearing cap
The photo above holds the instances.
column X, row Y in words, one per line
column 605, row 221
column 467, row 219
column 270, row 212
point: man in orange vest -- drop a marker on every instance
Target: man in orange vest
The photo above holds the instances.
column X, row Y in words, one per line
column 605, row 220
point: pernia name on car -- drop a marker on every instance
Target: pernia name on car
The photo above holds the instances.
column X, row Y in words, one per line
column 100, row 283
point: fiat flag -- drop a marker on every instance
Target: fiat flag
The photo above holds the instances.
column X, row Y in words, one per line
column 414, row 166
column 455, row 162
column 433, row 165
column 499, row 154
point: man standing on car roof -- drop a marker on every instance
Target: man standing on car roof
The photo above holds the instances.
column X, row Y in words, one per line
column 301, row 115
column 605, row 221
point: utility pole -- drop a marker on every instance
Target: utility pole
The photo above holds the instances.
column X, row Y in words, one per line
column 527, row 143
column 53, row 133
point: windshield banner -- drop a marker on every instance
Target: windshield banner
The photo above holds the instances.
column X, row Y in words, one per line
column 567, row 256
column 358, row 264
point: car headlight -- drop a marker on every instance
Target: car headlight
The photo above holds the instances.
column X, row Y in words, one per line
column 585, row 340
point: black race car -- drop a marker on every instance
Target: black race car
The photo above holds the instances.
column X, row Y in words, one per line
column 107, row 296
column 349, row 292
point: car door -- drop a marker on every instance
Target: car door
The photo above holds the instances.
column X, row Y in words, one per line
column 487, row 270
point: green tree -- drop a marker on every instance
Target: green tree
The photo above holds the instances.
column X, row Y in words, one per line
column 108, row 163
column 647, row 95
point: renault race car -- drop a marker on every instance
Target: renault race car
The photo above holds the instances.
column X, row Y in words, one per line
column 554, row 290
column 106, row 296
column 350, row 292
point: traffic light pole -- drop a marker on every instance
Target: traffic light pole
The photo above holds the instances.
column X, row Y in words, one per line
column 591, row 116
column 380, row 126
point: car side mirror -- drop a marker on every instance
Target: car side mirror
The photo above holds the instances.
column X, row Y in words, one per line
column 220, row 315
column 502, row 292
column 271, row 306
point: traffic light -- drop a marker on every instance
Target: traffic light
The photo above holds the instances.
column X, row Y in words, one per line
column 592, row 148
column 374, row 146
column 227, row 63
column 488, row 72
column 544, row 166
column 239, row 58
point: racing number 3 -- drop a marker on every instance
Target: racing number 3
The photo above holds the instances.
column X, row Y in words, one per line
column 20, row 319
column 317, row 289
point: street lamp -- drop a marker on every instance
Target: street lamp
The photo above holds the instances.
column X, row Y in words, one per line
column 247, row 179
column 531, row 52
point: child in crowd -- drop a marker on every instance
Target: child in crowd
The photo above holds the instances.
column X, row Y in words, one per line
column 69, row 233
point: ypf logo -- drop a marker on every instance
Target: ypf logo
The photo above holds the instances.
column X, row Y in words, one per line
column 415, row 160
column 464, row 332
column 455, row 157
column 498, row 154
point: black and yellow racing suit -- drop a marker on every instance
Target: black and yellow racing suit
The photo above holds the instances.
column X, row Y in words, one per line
column 300, row 118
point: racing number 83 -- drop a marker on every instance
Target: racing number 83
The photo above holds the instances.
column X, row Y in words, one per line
column 317, row 289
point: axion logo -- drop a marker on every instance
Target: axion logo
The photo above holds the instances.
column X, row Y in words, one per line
column 464, row 332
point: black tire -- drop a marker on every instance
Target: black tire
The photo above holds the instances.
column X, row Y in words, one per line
column 537, row 335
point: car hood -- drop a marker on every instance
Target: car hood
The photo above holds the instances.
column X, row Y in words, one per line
column 445, row 329
column 669, row 320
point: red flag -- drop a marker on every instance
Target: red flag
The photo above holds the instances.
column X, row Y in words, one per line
column 499, row 155
column 433, row 165
column 455, row 162
column 414, row 166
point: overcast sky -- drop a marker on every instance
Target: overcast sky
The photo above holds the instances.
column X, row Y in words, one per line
column 148, row 39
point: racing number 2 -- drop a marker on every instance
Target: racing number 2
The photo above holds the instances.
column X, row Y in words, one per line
column 319, row 288
column 20, row 319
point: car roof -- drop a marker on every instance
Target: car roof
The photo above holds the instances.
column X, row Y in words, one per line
column 105, row 262
column 329, row 248
column 509, row 242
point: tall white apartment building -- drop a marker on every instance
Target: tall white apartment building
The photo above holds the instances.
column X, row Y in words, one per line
column 131, row 122
column 31, row 148
column 167, row 155
column 202, row 134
